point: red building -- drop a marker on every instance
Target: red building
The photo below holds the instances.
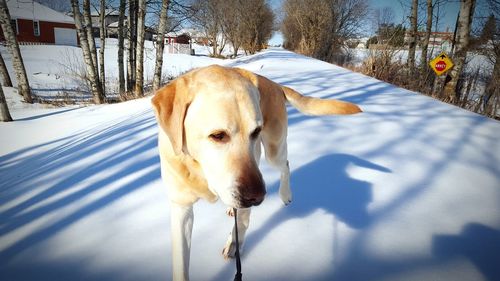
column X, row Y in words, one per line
column 171, row 38
column 39, row 24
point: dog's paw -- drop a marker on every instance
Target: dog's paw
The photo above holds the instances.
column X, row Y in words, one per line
column 230, row 212
column 285, row 195
column 229, row 250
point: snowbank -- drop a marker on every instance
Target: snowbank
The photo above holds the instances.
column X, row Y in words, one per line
column 55, row 72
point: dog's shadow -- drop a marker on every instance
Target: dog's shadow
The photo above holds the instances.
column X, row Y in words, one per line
column 322, row 184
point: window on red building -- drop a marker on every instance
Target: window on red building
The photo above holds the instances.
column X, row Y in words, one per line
column 36, row 28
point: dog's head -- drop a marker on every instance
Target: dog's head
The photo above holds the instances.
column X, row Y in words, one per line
column 213, row 115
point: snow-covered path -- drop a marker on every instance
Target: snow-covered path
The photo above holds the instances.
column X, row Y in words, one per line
column 408, row 190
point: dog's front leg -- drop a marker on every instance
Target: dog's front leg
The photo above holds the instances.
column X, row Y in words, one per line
column 243, row 219
column 182, row 226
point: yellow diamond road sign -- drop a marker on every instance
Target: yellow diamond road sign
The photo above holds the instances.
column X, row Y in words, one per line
column 441, row 64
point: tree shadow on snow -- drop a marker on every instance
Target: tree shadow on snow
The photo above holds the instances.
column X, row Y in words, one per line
column 46, row 165
column 323, row 184
column 477, row 242
column 48, row 114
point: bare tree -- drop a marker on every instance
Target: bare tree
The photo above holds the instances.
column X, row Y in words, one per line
column 232, row 24
column 209, row 18
column 4, row 110
column 466, row 12
column 17, row 60
column 102, row 36
column 321, row 28
column 439, row 81
column 92, row 75
column 257, row 24
column 491, row 99
column 243, row 23
column 160, row 44
column 5, row 73
column 87, row 19
column 412, row 44
column 304, row 24
column 381, row 18
column 132, row 43
column 121, row 74
column 490, row 102
column 428, row 30
column 139, row 72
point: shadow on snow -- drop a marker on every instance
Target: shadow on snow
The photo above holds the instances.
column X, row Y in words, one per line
column 23, row 172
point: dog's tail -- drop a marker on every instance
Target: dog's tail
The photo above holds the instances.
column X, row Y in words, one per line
column 316, row 106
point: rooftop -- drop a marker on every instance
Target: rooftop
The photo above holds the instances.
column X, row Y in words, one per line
column 28, row 9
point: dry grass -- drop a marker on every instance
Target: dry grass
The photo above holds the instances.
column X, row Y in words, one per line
column 386, row 65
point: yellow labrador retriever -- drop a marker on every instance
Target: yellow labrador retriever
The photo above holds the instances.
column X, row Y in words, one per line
column 212, row 122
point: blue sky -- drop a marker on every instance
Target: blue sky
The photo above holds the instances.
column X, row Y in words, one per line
column 448, row 11
column 401, row 9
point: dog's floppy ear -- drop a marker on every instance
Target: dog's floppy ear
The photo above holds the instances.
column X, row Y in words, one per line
column 170, row 104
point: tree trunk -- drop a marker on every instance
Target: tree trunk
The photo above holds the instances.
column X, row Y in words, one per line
column 90, row 36
column 428, row 30
column 235, row 51
column 215, row 43
column 413, row 35
column 492, row 91
column 121, row 74
column 160, row 44
column 463, row 30
column 222, row 45
column 4, row 110
column 139, row 57
column 132, row 43
column 102, row 35
column 89, row 66
column 17, row 60
column 5, row 73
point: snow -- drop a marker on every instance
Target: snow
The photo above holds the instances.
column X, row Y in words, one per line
column 407, row 190
column 56, row 74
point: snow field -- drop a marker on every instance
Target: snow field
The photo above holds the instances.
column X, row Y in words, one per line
column 53, row 71
column 407, row 190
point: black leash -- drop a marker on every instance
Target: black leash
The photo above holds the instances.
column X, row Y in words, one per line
column 238, row 275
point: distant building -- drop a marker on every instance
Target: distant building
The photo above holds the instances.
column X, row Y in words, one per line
column 35, row 23
column 196, row 36
column 110, row 16
column 112, row 31
column 441, row 40
column 359, row 43
column 172, row 37
column 178, row 42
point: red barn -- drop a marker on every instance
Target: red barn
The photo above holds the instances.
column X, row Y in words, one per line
column 36, row 23
column 172, row 37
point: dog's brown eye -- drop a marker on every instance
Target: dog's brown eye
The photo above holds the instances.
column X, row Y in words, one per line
column 219, row 137
column 255, row 133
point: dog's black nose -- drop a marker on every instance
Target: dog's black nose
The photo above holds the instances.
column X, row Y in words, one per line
column 253, row 201
column 251, row 187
